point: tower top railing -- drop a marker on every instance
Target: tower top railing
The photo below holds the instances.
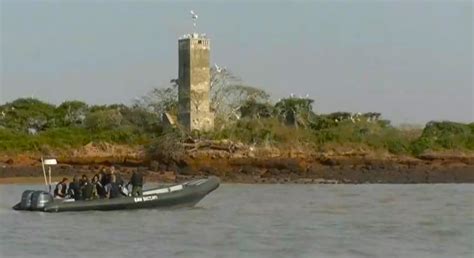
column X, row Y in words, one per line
column 193, row 36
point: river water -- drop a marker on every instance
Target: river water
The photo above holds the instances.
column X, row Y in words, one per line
column 258, row 221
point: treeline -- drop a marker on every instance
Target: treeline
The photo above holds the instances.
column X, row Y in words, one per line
column 32, row 125
column 297, row 125
column 242, row 114
column 29, row 124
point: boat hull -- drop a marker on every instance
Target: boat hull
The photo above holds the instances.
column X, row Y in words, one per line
column 183, row 195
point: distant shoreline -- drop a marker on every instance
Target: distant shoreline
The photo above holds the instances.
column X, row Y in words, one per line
column 252, row 165
column 261, row 142
column 270, row 171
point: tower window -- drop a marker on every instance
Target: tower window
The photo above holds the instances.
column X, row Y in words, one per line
column 199, row 41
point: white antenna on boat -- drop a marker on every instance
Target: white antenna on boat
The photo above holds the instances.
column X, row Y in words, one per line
column 49, row 163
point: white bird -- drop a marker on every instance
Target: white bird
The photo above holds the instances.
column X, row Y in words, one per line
column 3, row 114
column 194, row 16
column 218, row 69
column 306, row 96
column 292, row 95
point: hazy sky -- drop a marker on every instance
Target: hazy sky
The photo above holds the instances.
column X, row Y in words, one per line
column 410, row 60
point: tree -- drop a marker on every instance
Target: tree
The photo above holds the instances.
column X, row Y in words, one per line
column 221, row 79
column 72, row 113
column 323, row 122
column 161, row 100
column 372, row 116
column 255, row 110
column 339, row 116
column 103, row 120
column 229, row 94
column 295, row 111
column 141, row 119
column 27, row 115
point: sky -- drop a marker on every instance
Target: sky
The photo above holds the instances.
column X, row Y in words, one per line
column 412, row 61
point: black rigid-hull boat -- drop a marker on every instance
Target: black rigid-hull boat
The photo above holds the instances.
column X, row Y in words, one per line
column 186, row 194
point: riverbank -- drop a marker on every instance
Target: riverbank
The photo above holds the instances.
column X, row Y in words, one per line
column 253, row 165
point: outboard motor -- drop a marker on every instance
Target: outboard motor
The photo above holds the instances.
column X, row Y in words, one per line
column 25, row 203
column 40, row 199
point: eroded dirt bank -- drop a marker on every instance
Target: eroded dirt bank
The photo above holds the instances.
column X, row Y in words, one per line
column 251, row 165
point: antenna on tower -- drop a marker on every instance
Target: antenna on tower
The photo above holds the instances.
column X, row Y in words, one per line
column 194, row 16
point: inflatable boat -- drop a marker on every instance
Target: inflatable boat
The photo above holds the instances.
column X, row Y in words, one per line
column 186, row 194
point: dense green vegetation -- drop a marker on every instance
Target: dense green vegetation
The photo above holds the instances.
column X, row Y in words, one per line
column 33, row 125
column 242, row 114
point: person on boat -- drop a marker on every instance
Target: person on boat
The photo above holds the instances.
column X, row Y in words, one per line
column 87, row 189
column 113, row 188
column 98, row 190
column 108, row 175
column 74, row 189
column 103, row 177
column 84, row 179
column 118, row 178
column 60, row 191
column 137, row 183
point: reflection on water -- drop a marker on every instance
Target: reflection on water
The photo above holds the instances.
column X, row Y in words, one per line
column 258, row 221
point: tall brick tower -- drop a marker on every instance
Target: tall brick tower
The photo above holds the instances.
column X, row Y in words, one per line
column 194, row 83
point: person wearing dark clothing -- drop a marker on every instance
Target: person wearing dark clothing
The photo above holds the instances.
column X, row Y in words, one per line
column 84, row 179
column 119, row 180
column 108, row 175
column 103, row 177
column 75, row 189
column 137, row 183
column 100, row 186
column 113, row 188
column 87, row 189
column 61, row 189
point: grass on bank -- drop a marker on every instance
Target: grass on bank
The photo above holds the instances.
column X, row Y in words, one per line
column 66, row 138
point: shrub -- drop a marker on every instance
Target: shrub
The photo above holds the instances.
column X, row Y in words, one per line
column 444, row 135
column 167, row 145
column 103, row 120
column 27, row 113
column 71, row 113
